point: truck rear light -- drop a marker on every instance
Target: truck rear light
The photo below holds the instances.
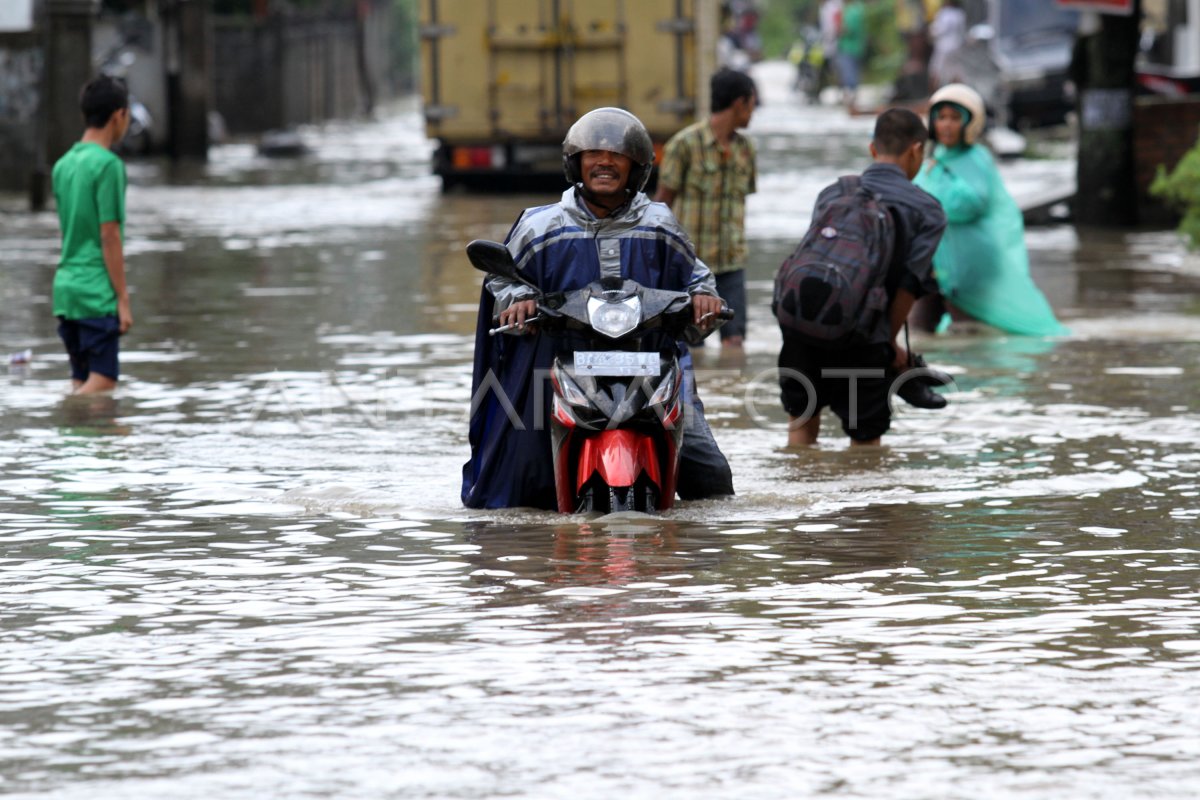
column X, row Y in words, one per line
column 478, row 157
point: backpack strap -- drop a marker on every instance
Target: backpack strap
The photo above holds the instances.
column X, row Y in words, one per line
column 900, row 242
column 853, row 183
column 849, row 184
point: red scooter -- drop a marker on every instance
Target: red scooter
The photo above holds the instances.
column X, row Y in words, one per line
column 617, row 412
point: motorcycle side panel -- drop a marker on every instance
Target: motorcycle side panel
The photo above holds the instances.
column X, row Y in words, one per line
column 561, row 432
column 671, row 464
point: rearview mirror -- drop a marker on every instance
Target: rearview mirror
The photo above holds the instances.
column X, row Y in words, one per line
column 494, row 259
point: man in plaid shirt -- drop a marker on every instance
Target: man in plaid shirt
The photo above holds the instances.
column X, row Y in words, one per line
column 706, row 172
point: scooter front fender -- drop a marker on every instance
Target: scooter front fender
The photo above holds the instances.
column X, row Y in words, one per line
column 619, row 457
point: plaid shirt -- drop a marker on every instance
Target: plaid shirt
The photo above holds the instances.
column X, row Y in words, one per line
column 710, row 185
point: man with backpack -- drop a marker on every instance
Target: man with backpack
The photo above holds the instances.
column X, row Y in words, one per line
column 842, row 297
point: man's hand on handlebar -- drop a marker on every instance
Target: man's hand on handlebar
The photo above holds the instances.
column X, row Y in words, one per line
column 517, row 313
column 705, row 308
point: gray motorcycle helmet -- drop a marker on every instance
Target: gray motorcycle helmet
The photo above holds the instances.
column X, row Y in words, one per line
column 615, row 130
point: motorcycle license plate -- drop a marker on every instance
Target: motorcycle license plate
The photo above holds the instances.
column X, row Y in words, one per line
column 616, row 363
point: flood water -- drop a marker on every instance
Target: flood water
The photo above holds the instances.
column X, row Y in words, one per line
column 248, row 574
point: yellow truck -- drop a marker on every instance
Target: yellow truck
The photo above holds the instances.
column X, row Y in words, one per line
column 502, row 80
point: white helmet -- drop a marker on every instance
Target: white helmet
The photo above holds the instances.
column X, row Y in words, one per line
column 962, row 95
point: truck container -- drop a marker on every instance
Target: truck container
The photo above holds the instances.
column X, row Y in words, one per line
column 503, row 80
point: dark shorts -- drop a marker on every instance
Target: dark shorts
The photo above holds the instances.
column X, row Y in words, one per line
column 732, row 288
column 865, row 412
column 848, row 71
column 92, row 346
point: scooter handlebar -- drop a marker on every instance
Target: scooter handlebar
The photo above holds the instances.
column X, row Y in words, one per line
column 725, row 314
column 512, row 325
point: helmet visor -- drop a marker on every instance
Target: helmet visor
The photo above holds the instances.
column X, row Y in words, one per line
column 611, row 129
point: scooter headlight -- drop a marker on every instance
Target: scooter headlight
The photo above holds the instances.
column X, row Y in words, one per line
column 615, row 319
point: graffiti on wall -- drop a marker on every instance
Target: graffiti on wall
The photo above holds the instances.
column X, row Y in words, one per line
column 20, row 81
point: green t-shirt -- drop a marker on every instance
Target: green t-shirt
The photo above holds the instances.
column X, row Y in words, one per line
column 853, row 41
column 89, row 188
column 711, row 187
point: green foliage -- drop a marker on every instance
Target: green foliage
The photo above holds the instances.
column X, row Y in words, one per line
column 1181, row 190
column 780, row 24
column 403, row 39
column 885, row 48
column 782, row 20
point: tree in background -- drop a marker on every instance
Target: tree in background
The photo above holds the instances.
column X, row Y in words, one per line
column 1180, row 189
column 781, row 23
column 783, row 20
column 404, row 44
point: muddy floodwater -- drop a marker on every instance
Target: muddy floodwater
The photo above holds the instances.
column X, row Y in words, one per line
column 248, row 574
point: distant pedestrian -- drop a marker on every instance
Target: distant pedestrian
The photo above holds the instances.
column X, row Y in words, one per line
column 91, row 299
column 708, row 168
column 948, row 33
column 843, row 296
column 829, row 20
column 852, row 49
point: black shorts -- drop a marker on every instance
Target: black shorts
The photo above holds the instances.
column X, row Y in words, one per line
column 865, row 412
column 92, row 345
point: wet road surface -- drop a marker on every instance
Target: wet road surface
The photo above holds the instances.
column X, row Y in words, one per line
column 248, row 574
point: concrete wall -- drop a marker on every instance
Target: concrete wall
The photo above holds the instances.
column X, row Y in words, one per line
column 294, row 70
column 320, row 72
column 1164, row 128
column 247, row 59
column 21, row 75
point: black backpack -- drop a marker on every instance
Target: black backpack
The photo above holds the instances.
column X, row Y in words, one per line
column 831, row 289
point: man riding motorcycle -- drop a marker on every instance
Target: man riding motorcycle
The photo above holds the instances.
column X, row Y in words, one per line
column 604, row 226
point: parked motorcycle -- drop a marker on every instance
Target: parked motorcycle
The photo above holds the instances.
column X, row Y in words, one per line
column 617, row 408
column 807, row 55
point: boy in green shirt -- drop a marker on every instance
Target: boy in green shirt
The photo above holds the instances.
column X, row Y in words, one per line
column 90, row 297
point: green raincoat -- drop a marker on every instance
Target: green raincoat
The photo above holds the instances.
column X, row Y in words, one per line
column 982, row 266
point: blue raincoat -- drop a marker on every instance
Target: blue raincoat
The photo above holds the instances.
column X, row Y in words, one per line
column 559, row 247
